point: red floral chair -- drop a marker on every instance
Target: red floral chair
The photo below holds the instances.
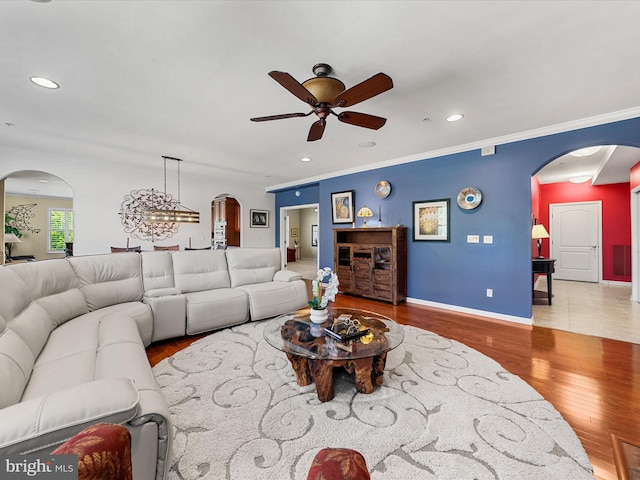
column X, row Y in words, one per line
column 338, row 464
column 104, row 452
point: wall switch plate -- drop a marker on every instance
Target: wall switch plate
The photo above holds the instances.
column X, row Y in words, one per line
column 487, row 239
column 473, row 238
column 489, row 292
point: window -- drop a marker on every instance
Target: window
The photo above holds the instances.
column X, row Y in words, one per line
column 60, row 228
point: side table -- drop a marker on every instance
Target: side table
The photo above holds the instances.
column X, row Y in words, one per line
column 543, row 266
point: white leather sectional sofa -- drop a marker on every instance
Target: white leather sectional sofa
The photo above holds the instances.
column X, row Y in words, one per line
column 73, row 334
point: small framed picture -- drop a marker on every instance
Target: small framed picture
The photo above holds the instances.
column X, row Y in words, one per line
column 259, row 218
column 431, row 220
column 294, row 232
column 314, row 235
column 342, row 206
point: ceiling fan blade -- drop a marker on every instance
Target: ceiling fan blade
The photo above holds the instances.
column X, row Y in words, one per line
column 362, row 120
column 278, row 117
column 364, row 90
column 295, row 87
column 316, row 131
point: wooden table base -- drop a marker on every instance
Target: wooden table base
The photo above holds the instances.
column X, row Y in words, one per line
column 368, row 371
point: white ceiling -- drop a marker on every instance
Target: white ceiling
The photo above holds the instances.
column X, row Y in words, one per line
column 142, row 79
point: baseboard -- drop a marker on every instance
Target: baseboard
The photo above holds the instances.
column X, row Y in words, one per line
column 473, row 311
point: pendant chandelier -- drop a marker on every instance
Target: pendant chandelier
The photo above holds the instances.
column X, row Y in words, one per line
column 164, row 208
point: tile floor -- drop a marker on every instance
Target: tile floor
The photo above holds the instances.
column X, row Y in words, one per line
column 307, row 267
column 590, row 309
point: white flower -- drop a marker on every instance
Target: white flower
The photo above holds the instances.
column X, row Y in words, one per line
column 328, row 280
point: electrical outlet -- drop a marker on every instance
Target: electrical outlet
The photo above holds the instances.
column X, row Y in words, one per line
column 473, row 238
column 490, row 292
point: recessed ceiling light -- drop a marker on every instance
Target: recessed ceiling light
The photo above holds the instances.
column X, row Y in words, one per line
column 367, row 144
column 580, row 179
column 42, row 180
column 44, row 82
column 455, row 117
column 585, row 152
column 305, row 159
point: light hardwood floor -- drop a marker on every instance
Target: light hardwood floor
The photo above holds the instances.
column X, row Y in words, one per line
column 593, row 382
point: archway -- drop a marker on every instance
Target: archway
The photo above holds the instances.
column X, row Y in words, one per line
column 39, row 206
column 589, row 177
column 226, row 221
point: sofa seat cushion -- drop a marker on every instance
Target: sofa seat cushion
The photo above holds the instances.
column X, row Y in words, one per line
column 139, row 311
column 86, row 349
column 274, row 298
column 214, row 309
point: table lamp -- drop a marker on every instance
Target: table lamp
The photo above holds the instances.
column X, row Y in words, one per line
column 10, row 238
column 365, row 212
column 538, row 232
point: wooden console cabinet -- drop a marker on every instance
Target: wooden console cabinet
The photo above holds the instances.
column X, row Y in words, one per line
column 372, row 262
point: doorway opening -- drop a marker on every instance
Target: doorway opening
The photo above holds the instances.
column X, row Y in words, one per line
column 299, row 239
column 225, row 221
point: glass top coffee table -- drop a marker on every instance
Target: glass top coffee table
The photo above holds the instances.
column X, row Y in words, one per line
column 366, row 336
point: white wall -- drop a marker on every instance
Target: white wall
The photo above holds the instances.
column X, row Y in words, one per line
column 99, row 188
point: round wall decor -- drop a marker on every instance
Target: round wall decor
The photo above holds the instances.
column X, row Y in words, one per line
column 469, row 198
column 383, row 189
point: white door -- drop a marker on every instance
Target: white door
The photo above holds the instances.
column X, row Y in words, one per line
column 575, row 240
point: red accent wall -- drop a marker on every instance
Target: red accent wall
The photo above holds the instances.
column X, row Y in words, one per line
column 616, row 215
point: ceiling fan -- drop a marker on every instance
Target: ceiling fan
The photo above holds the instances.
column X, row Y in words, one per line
column 324, row 93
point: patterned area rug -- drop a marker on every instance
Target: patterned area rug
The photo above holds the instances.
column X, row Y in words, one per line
column 444, row 412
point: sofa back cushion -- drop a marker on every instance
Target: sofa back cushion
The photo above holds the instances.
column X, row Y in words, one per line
column 109, row 279
column 199, row 270
column 16, row 364
column 52, row 298
column 157, row 270
column 248, row 266
column 15, row 294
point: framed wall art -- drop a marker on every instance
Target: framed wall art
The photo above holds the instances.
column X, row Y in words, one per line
column 294, row 232
column 431, row 220
column 314, row 235
column 342, row 206
column 259, row 218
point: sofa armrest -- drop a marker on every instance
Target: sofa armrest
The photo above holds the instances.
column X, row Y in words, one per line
column 162, row 292
column 49, row 420
column 286, row 276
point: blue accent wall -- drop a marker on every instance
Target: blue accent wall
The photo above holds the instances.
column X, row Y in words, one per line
column 458, row 273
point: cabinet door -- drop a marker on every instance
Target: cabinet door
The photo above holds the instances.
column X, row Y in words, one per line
column 362, row 269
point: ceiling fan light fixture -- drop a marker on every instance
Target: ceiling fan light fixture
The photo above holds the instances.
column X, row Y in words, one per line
column 325, row 89
column 585, row 152
column 580, row 179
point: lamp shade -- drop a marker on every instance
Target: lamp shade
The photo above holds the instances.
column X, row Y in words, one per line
column 11, row 238
column 365, row 212
column 538, row 231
